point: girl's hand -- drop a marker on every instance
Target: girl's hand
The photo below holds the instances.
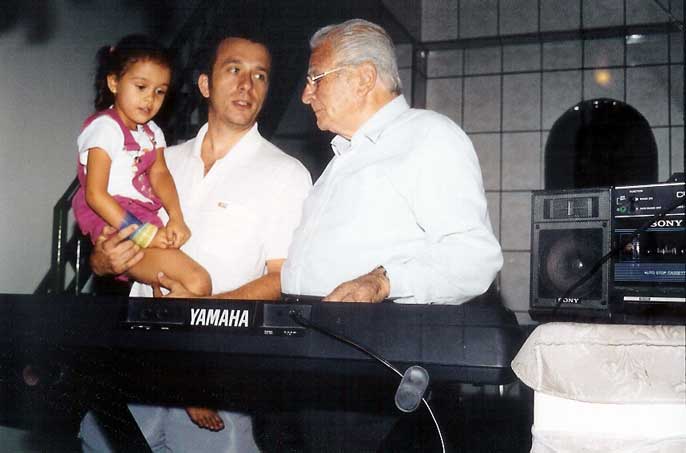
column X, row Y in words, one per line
column 160, row 240
column 177, row 233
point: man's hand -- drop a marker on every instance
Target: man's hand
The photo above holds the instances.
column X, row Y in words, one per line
column 371, row 287
column 176, row 289
column 114, row 254
column 205, row 418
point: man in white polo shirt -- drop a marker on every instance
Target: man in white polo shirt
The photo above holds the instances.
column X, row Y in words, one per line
column 242, row 199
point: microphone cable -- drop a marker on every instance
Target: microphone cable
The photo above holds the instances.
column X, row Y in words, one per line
column 660, row 215
column 297, row 317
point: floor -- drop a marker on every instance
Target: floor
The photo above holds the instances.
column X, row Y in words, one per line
column 480, row 419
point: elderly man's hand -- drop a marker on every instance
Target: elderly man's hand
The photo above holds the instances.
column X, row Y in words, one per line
column 114, row 254
column 371, row 287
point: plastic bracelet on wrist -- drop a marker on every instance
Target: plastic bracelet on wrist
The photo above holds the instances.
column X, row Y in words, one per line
column 130, row 219
column 145, row 233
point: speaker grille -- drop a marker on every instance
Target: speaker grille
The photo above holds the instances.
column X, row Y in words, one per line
column 567, row 255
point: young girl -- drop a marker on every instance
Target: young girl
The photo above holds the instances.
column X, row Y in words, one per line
column 123, row 175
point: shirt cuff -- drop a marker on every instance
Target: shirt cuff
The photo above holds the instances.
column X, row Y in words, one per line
column 400, row 278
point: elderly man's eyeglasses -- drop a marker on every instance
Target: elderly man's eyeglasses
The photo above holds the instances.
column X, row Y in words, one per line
column 313, row 80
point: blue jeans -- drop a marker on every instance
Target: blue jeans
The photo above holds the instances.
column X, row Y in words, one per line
column 170, row 430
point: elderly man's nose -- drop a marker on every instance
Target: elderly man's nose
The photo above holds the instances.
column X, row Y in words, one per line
column 308, row 93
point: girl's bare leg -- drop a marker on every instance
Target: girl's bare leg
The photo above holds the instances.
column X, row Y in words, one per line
column 174, row 264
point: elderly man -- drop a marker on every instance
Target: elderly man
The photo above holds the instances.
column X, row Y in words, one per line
column 242, row 198
column 400, row 210
column 399, row 213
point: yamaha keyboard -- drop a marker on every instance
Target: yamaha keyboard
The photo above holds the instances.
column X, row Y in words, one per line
column 154, row 350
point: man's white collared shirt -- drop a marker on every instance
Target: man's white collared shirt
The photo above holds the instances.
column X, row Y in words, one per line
column 242, row 213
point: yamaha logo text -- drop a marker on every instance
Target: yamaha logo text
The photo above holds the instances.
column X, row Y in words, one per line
column 217, row 317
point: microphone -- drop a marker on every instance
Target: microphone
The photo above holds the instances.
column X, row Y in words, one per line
column 411, row 390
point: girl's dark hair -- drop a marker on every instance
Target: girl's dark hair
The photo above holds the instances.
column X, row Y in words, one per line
column 117, row 60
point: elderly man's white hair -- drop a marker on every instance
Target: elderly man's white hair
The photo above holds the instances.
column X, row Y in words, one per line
column 357, row 41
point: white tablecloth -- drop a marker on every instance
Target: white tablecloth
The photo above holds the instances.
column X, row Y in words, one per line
column 606, row 388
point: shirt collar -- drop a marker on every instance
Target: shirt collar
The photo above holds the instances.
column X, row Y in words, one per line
column 250, row 137
column 197, row 145
column 374, row 127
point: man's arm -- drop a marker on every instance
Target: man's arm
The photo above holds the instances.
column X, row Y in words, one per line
column 267, row 287
column 114, row 254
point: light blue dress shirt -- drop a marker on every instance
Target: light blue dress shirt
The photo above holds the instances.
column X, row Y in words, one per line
column 405, row 192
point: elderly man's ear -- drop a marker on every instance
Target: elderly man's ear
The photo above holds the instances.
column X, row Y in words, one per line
column 204, row 85
column 367, row 78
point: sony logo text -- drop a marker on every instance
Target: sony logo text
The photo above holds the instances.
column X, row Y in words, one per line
column 569, row 300
column 667, row 223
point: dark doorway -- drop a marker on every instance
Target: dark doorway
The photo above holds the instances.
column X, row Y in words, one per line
column 599, row 143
